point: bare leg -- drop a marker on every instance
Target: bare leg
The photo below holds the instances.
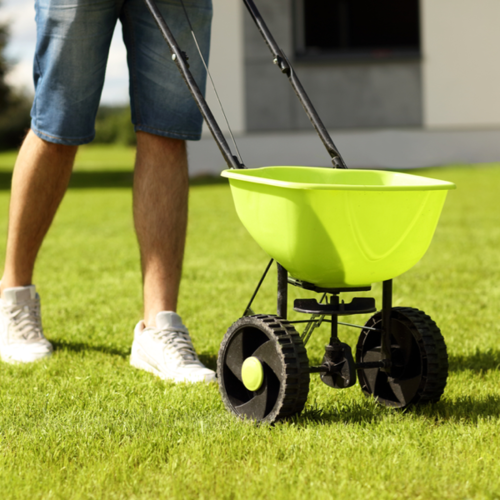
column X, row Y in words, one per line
column 41, row 176
column 160, row 215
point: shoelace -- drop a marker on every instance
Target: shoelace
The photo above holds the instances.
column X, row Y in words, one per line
column 25, row 319
column 178, row 343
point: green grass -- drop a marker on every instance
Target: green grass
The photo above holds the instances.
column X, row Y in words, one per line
column 84, row 424
column 89, row 158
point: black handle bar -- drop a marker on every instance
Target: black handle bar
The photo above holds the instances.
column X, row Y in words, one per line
column 179, row 57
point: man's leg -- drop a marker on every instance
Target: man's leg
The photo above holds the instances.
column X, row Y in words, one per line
column 162, row 344
column 160, row 216
column 40, row 179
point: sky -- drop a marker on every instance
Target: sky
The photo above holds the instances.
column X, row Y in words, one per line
column 20, row 17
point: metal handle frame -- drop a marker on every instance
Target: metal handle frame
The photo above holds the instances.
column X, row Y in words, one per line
column 284, row 64
column 179, row 57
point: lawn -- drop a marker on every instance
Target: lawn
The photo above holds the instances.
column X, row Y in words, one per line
column 85, row 424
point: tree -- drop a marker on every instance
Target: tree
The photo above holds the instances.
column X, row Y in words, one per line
column 4, row 67
column 113, row 123
column 14, row 106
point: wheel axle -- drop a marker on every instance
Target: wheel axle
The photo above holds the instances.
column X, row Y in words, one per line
column 358, row 366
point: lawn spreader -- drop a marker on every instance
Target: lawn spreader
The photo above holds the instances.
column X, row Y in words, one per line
column 330, row 231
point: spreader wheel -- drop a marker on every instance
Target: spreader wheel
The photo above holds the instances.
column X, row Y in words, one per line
column 419, row 360
column 263, row 370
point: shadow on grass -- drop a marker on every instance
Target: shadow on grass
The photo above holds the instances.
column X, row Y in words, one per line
column 463, row 409
column 467, row 409
column 209, row 360
column 479, row 361
column 110, row 179
column 79, row 347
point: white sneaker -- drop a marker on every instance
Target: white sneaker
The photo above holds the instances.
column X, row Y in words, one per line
column 167, row 351
column 21, row 333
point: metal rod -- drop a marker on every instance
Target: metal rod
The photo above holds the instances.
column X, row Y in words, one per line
column 258, row 288
column 284, row 64
column 186, row 15
column 179, row 58
column 360, row 327
column 370, row 364
column 386, row 321
column 334, row 338
column 282, row 291
column 318, row 369
column 312, row 320
column 359, row 366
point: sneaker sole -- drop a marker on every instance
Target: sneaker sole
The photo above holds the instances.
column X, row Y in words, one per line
column 141, row 364
column 12, row 360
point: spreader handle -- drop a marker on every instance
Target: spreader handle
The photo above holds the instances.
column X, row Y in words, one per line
column 284, row 64
column 178, row 57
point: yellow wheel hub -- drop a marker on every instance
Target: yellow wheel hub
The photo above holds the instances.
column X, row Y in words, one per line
column 252, row 373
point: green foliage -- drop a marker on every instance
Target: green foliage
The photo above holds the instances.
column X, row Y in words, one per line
column 85, row 424
column 4, row 89
column 14, row 106
column 14, row 121
column 114, row 126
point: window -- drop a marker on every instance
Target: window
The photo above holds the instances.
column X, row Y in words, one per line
column 357, row 28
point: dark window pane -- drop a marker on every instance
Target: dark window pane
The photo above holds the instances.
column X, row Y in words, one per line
column 354, row 25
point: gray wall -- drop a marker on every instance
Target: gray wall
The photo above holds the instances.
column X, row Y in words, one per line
column 346, row 95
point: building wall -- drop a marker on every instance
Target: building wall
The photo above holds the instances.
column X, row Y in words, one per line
column 227, row 65
column 455, row 84
column 461, row 67
column 346, row 95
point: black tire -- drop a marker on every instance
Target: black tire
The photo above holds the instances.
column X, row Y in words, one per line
column 419, row 356
column 279, row 347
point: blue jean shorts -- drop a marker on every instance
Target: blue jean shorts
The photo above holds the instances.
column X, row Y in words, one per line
column 73, row 39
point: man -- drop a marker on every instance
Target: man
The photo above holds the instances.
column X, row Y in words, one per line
column 73, row 39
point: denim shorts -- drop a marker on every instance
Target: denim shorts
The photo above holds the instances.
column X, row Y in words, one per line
column 73, row 39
